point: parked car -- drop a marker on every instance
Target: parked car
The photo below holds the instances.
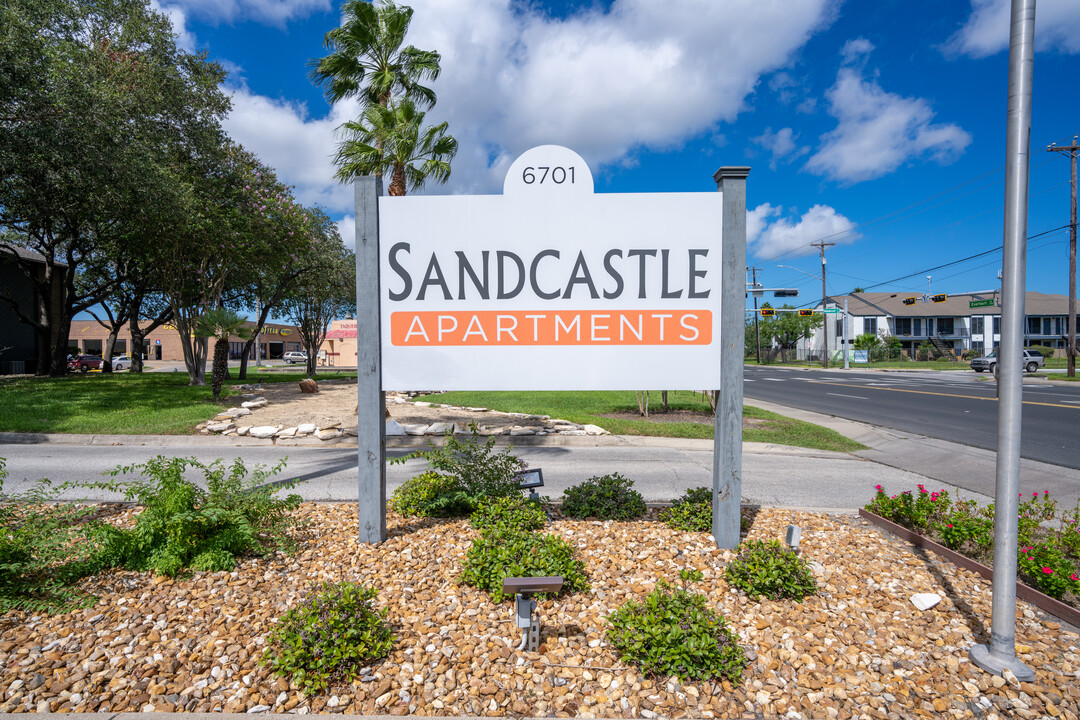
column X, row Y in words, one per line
column 296, row 356
column 1033, row 360
column 83, row 363
column 121, row 363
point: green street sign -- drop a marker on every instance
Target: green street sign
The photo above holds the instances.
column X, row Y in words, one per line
column 831, row 311
column 981, row 303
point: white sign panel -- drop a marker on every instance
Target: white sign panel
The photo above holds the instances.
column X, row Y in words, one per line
column 550, row 286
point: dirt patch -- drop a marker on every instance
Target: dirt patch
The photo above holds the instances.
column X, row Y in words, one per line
column 336, row 403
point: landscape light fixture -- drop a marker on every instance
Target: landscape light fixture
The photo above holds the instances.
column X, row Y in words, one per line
column 794, row 534
column 530, row 480
column 523, row 588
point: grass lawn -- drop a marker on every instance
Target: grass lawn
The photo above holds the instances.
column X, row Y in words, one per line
column 151, row 403
column 593, row 406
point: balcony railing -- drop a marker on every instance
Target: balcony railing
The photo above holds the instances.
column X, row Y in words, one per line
column 960, row 332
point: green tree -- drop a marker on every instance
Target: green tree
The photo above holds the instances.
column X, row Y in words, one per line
column 394, row 140
column 367, row 60
column 220, row 324
column 327, row 292
column 788, row 328
column 867, row 341
column 96, row 105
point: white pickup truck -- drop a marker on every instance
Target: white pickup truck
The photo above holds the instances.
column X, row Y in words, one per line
column 1032, row 361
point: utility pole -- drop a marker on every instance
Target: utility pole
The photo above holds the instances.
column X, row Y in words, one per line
column 1070, row 353
column 757, row 328
column 821, row 244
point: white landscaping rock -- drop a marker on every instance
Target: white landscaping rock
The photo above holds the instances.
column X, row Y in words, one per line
column 287, row 432
column 415, row 429
column 421, row 403
column 220, row 426
column 328, row 434
column 393, row 428
column 243, row 430
column 252, row 404
column 439, row 428
column 517, row 430
column 925, row 601
column 264, row 431
column 594, row 430
column 306, row 429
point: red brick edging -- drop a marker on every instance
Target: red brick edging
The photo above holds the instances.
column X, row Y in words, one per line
column 1040, row 600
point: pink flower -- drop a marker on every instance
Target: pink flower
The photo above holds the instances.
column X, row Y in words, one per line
column 878, row 488
column 1034, row 494
column 1048, row 571
column 950, row 524
column 1073, row 577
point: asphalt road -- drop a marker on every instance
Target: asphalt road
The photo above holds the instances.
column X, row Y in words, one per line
column 956, row 406
column 780, row 478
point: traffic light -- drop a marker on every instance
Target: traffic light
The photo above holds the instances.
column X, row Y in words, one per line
column 910, row 301
column 939, row 298
column 785, row 292
column 767, row 312
column 806, row 313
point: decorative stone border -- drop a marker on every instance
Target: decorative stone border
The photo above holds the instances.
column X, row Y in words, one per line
column 1025, row 592
column 225, row 423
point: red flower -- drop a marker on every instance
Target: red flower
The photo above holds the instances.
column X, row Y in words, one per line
column 1073, row 577
column 950, row 524
column 1048, row 571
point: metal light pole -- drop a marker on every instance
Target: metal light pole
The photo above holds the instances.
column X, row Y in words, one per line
column 846, row 365
column 1000, row 654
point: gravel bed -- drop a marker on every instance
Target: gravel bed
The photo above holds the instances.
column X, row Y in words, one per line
column 858, row 649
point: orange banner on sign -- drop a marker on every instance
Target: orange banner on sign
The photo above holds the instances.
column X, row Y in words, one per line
column 562, row 327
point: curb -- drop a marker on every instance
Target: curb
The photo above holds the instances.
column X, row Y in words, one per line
column 1024, row 592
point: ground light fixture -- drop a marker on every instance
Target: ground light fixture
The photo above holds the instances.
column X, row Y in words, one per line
column 794, row 534
column 530, row 480
column 523, row 588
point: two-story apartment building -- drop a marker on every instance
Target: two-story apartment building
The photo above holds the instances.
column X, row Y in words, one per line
column 950, row 326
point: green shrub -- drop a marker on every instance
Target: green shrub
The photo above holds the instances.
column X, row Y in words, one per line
column 769, row 569
column 45, row 547
column 478, row 470
column 329, row 637
column 1045, row 567
column 692, row 512
column 184, row 526
column 499, row 553
column 608, row 497
column 508, row 513
column 430, row 494
column 673, row 632
column 1046, row 352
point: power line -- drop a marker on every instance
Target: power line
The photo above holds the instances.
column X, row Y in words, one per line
column 957, row 262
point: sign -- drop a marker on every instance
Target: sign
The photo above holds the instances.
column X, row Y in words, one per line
column 157, row 342
column 989, row 302
column 550, row 286
column 831, row 311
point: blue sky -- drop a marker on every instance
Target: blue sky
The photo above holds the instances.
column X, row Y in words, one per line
column 878, row 125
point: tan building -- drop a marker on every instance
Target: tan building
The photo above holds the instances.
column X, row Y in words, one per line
column 339, row 347
column 164, row 343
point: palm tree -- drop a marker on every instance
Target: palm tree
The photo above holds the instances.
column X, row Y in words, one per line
column 393, row 140
column 367, row 61
column 220, row 324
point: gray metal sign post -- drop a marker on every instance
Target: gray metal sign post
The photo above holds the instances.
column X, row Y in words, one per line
column 727, row 440
column 370, row 403
column 1000, row 654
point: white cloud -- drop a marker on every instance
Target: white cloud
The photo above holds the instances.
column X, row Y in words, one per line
column 347, row 229
column 642, row 74
column 185, row 40
column 769, row 235
column 879, row 131
column 856, row 51
column 781, row 144
column 271, row 12
column 986, row 32
column 299, row 148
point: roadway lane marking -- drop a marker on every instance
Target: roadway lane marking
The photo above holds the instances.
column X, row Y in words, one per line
column 775, row 379
column 927, row 392
column 857, row 397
